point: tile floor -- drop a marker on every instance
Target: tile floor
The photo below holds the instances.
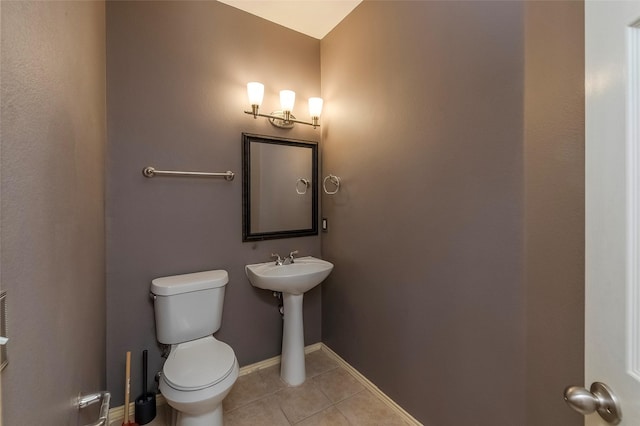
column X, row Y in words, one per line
column 330, row 396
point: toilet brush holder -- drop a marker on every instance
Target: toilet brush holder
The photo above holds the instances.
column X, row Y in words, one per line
column 145, row 410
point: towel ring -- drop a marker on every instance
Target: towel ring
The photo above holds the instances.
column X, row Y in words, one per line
column 304, row 182
column 335, row 180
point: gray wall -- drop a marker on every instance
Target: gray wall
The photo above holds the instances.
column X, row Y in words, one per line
column 176, row 89
column 554, row 207
column 52, row 227
column 439, row 233
column 457, row 233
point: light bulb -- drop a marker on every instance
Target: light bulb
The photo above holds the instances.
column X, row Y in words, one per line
column 255, row 91
column 287, row 100
column 315, row 107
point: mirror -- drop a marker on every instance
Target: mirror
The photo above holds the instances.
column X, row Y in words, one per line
column 279, row 188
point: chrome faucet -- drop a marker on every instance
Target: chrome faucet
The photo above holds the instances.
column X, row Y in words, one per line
column 289, row 259
column 278, row 260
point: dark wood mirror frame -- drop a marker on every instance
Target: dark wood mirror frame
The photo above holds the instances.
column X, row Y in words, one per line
column 247, row 233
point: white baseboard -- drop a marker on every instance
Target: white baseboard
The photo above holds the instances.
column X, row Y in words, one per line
column 116, row 414
column 247, row 369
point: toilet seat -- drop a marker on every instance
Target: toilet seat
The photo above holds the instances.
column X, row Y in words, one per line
column 198, row 364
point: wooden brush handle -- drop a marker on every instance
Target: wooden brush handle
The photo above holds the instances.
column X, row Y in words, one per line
column 127, row 388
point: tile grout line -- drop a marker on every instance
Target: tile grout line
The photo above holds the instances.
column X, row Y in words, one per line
column 116, row 414
column 408, row 418
column 342, row 413
column 284, row 413
column 264, row 364
column 334, row 403
column 317, row 412
column 265, row 396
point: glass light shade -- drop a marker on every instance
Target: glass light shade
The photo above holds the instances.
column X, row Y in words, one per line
column 315, row 107
column 255, row 91
column 287, row 99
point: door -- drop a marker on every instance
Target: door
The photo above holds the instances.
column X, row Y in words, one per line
column 612, row 72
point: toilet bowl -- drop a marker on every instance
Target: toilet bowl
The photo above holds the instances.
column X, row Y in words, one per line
column 200, row 370
column 196, row 377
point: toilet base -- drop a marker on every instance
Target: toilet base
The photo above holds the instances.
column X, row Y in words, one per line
column 212, row 418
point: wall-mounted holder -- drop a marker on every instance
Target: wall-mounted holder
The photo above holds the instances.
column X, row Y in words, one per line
column 333, row 180
column 302, row 185
column 87, row 400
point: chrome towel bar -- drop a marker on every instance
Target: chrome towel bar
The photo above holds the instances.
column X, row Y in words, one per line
column 151, row 172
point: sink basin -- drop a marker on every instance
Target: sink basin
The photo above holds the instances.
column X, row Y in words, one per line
column 295, row 278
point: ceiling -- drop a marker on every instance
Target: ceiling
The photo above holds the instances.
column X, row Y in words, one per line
column 311, row 17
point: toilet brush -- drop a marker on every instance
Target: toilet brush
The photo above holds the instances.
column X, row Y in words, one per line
column 145, row 403
column 127, row 390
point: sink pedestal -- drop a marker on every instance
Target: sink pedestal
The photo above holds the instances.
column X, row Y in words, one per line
column 292, row 369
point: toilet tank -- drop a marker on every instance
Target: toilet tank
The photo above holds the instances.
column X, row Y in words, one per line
column 188, row 306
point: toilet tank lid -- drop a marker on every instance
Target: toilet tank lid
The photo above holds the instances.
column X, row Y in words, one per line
column 185, row 283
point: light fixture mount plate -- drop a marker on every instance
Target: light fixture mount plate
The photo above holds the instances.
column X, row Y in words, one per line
column 277, row 119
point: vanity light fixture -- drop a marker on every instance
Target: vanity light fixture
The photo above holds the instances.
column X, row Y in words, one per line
column 284, row 118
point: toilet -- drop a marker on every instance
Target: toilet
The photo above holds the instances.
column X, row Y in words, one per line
column 200, row 370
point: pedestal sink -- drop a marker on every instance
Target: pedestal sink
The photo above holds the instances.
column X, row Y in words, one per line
column 293, row 280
